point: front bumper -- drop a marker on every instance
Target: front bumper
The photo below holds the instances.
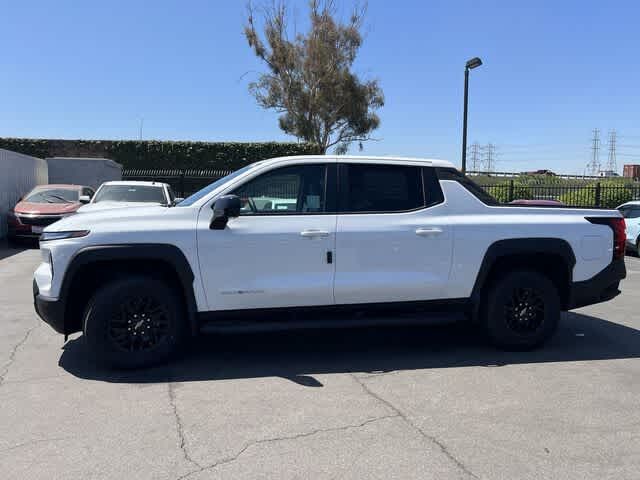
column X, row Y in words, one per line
column 600, row 288
column 51, row 311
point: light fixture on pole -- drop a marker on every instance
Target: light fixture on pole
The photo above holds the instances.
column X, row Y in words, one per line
column 470, row 65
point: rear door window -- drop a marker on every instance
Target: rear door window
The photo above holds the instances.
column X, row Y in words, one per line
column 376, row 188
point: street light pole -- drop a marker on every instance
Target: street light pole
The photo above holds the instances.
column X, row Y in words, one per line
column 470, row 65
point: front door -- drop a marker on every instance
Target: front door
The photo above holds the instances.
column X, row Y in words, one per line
column 279, row 251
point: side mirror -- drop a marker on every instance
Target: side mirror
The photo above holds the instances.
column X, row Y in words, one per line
column 177, row 200
column 224, row 208
column 85, row 199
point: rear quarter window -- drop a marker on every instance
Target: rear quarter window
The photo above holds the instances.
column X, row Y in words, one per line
column 468, row 184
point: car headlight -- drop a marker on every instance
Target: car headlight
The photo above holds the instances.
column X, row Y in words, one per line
column 46, row 236
column 45, row 253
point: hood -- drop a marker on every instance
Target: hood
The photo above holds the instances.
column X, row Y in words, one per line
column 46, row 208
column 107, row 217
column 97, row 207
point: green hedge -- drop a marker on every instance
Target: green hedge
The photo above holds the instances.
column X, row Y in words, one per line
column 612, row 194
column 500, row 191
column 160, row 154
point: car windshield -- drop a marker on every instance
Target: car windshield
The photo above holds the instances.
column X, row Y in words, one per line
column 130, row 193
column 52, row 195
column 212, row 186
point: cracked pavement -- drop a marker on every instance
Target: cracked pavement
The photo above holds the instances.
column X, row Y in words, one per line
column 420, row 402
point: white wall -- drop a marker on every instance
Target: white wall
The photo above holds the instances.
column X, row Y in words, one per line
column 83, row 171
column 18, row 175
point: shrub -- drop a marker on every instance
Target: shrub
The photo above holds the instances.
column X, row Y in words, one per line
column 612, row 194
column 501, row 191
column 161, row 154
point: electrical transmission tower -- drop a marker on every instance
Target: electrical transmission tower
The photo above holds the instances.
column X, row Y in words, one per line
column 474, row 157
column 611, row 161
column 593, row 167
column 488, row 157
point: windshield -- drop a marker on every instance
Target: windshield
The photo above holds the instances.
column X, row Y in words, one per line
column 212, row 186
column 130, row 193
column 52, row 195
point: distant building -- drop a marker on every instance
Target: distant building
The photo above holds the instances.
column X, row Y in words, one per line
column 631, row 171
column 608, row 173
column 540, row 172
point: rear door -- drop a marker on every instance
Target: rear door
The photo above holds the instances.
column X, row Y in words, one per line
column 393, row 243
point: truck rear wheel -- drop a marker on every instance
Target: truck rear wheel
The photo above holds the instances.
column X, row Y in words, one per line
column 134, row 322
column 522, row 310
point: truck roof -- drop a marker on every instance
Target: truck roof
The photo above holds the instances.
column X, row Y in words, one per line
column 365, row 158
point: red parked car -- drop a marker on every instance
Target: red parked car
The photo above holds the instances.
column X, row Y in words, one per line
column 538, row 203
column 42, row 206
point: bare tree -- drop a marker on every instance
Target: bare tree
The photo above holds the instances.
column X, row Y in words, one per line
column 310, row 79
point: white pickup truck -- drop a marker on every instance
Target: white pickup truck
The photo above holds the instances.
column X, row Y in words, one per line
column 322, row 236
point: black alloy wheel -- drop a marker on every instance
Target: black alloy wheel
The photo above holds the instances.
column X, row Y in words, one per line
column 141, row 323
column 134, row 321
column 521, row 310
column 524, row 314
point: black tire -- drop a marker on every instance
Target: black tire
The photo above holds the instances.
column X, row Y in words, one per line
column 134, row 322
column 522, row 310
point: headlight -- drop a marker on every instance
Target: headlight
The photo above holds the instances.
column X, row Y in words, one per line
column 46, row 236
column 45, row 253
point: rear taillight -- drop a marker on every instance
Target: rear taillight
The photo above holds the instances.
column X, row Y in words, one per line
column 619, row 234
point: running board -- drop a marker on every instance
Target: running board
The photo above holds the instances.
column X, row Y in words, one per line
column 225, row 325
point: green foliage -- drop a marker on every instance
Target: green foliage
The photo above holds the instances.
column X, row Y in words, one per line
column 161, row 154
column 583, row 197
column 579, row 192
column 502, row 191
column 310, row 79
column 612, row 194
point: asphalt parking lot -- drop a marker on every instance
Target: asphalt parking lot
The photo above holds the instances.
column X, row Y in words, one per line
column 426, row 402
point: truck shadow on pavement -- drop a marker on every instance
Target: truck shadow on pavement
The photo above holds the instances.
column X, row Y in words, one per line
column 298, row 355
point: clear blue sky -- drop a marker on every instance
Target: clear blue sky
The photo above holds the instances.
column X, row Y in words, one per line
column 554, row 70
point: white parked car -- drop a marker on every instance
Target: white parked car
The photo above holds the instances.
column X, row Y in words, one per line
column 121, row 194
column 631, row 213
column 319, row 234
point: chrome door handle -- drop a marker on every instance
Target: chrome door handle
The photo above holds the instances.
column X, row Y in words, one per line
column 428, row 232
column 314, row 233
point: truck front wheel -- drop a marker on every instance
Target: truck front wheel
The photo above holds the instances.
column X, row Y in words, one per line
column 133, row 322
column 522, row 310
